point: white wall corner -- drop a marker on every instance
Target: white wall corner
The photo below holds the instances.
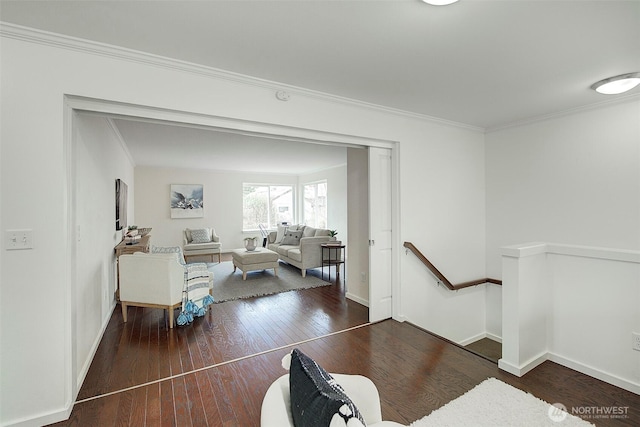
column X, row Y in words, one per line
column 357, row 299
column 472, row 339
column 521, row 369
column 400, row 318
column 120, row 139
column 494, row 337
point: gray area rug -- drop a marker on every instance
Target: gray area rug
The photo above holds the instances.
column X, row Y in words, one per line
column 229, row 286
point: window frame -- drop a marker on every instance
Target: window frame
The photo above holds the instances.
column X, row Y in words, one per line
column 268, row 224
column 326, row 205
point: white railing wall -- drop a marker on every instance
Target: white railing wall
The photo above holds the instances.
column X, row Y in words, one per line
column 574, row 305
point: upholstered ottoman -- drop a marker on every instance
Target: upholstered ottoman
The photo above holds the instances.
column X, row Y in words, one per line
column 260, row 259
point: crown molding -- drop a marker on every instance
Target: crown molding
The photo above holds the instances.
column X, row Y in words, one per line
column 618, row 99
column 32, row 35
column 123, row 145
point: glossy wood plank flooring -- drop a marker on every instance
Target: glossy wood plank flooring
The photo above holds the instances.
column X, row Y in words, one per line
column 486, row 347
column 215, row 372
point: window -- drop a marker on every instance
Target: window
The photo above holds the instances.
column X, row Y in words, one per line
column 266, row 204
column 315, row 204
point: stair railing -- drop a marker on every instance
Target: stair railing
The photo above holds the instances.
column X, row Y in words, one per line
column 441, row 278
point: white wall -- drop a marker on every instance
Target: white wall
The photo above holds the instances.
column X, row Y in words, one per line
column 222, row 199
column 441, row 192
column 99, row 160
column 574, row 305
column 443, row 215
column 573, row 179
column 594, row 312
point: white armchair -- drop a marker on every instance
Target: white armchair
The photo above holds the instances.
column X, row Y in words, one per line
column 276, row 405
column 162, row 280
column 151, row 280
column 202, row 241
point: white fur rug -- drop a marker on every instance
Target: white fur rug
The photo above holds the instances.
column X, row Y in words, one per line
column 493, row 403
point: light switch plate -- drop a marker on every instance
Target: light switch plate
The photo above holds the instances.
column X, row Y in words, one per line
column 19, row 239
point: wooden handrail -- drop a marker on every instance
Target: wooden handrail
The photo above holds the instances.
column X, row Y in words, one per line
column 441, row 277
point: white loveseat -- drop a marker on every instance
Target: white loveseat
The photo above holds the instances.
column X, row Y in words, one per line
column 304, row 252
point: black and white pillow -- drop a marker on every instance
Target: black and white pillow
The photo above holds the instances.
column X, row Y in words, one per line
column 317, row 400
column 292, row 238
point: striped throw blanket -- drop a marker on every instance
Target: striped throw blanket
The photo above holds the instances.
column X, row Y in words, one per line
column 195, row 296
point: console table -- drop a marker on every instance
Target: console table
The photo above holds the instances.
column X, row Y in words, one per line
column 333, row 254
column 141, row 245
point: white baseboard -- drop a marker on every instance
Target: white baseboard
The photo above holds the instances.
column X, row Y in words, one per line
column 494, row 337
column 94, row 348
column 42, row 419
column 357, row 299
column 474, row 338
column 64, row 413
column 596, row 373
column 525, row 367
column 480, row 336
column 615, row 380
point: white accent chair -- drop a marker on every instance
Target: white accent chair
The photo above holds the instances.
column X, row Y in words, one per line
column 151, row 280
column 276, row 405
column 191, row 248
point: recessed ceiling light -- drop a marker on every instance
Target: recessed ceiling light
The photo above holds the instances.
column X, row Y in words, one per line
column 439, row 2
column 618, row 84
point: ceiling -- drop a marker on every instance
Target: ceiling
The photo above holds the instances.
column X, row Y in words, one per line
column 481, row 63
column 166, row 145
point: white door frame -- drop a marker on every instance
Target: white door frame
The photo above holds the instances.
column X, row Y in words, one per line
column 231, row 125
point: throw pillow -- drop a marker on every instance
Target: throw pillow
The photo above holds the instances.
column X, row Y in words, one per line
column 309, row 232
column 317, row 400
column 200, row 235
column 292, row 238
column 280, row 233
column 296, row 227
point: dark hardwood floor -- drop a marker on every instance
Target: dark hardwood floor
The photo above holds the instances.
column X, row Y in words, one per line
column 486, row 347
column 216, row 371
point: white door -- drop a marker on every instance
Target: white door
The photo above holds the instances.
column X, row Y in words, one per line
column 380, row 234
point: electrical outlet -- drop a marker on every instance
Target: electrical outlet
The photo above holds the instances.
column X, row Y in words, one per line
column 636, row 341
column 363, row 277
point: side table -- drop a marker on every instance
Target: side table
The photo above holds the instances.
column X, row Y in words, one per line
column 333, row 254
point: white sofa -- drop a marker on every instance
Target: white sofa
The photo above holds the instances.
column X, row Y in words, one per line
column 304, row 254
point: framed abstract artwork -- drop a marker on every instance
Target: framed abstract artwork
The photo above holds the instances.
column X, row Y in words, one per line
column 187, row 201
column 121, row 204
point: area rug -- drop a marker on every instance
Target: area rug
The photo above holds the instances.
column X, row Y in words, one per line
column 496, row 404
column 229, row 286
